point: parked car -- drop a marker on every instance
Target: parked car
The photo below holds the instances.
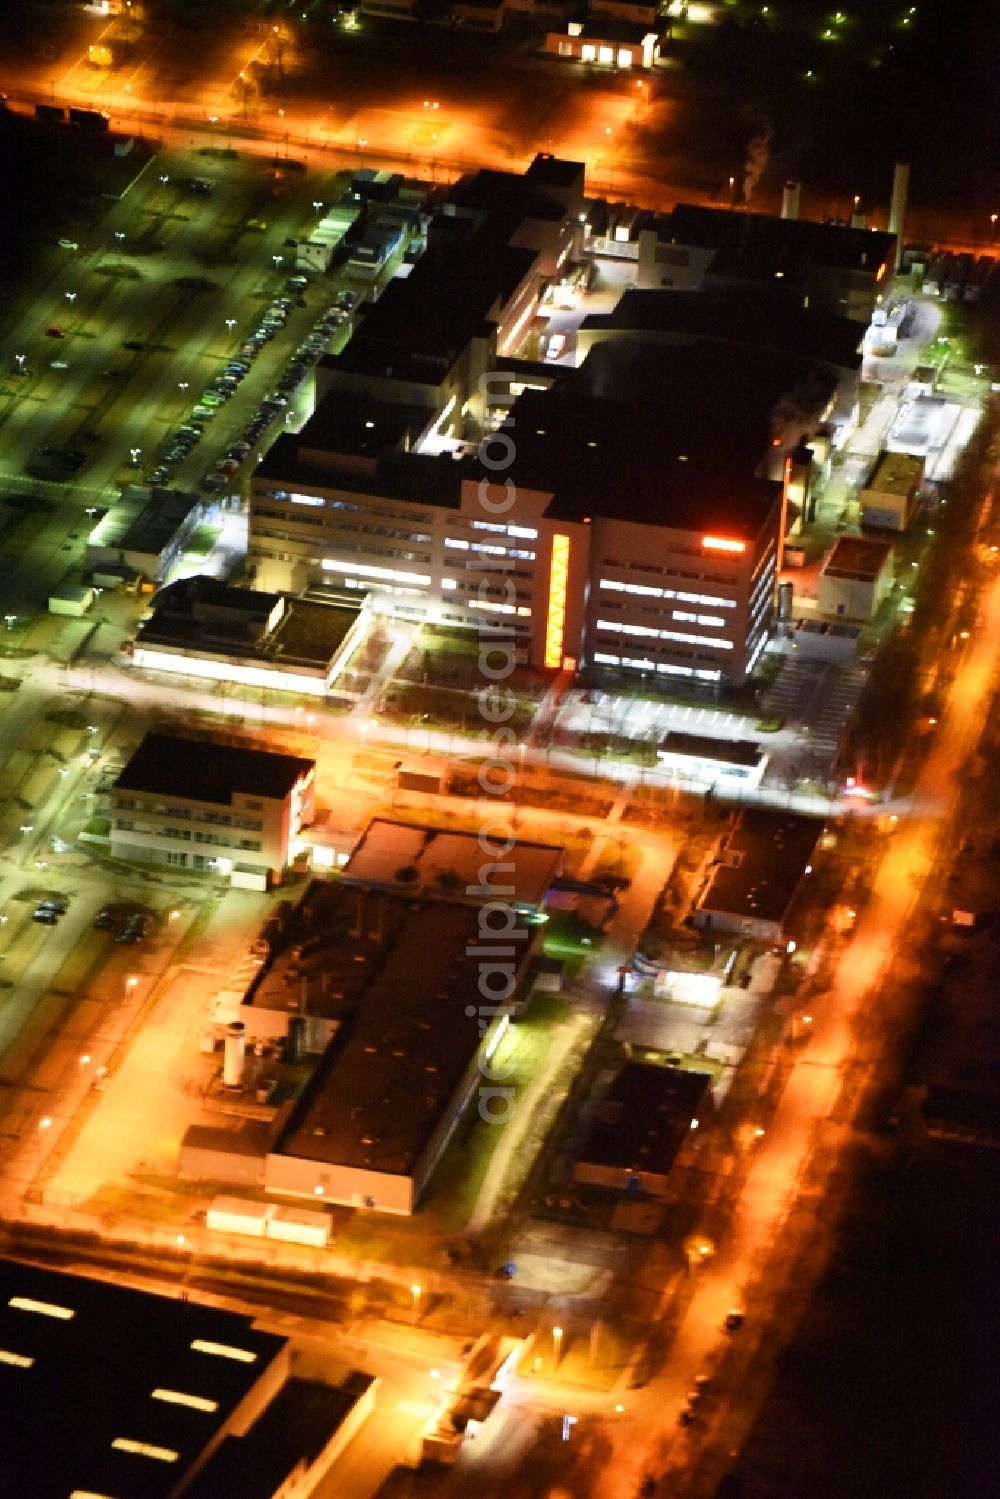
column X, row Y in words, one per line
column 54, row 903
column 45, row 915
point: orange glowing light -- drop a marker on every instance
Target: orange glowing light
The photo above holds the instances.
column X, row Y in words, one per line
column 722, row 544
column 555, row 620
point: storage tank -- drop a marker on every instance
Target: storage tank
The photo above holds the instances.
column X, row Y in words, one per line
column 235, row 1049
column 790, row 195
column 295, row 1040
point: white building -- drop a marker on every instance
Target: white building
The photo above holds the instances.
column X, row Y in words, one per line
column 194, row 804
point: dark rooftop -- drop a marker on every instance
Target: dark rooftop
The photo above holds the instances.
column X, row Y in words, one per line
column 423, row 478
column 645, row 1118
column 376, row 1098
column 306, row 634
column 298, row 1423
column 553, row 171
column 419, row 326
column 762, row 864
column 759, row 246
column 764, row 317
column 200, row 770
column 731, row 751
column 857, row 557
column 99, row 1353
column 608, row 458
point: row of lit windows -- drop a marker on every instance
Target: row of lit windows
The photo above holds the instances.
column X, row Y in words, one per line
column 616, row 626
column 664, row 668
column 712, row 599
column 488, row 549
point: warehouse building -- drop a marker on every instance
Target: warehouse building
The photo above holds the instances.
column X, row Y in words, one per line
column 175, row 1380
column 762, row 862
column 641, row 1127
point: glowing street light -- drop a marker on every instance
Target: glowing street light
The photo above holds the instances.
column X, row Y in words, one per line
column 45, row 1122
column 416, row 1291
column 230, row 323
column 71, row 296
column 557, row 1337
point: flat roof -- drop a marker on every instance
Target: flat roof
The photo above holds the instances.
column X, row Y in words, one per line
column 763, row 859
column 704, row 747
column 421, row 478
column 297, row 1424
column 386, row 1080
column 761, row 316
column 203, row 771
column 613, row 458
column 440, row 863
column 420, row 326
column 308, row 633
column 144, row 521
column 757, row 245
column 897, row 473
column 645, row 1118
column 857, row 557
column 98, row 1352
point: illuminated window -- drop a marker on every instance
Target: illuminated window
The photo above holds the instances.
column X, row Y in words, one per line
column 15, row 1360
column 145, row 1449
column 722, row 544
column 178, row 1397
column 555, row 620
column 224, row 1350
column 388, row 574
column 43, row 1308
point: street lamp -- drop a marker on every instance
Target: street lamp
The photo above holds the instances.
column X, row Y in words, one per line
column 119, row 234
column 71, row 296
column 557, row 1337
column 277, row 261
column 415, row 1292
column 134, row 459
column 230, row 323
column 19, row 360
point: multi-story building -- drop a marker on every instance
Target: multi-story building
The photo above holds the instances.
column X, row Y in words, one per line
column 839, row 268
column 603, row 542
column 194, row 804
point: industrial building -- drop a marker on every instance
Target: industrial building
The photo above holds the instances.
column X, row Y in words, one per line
column 855, row 578
column 398, row 1002
column 112, row 1391
column 199, row 627
column 641, row 1127
column 447, row 864
column 837, row 268
column 751, row 887
column 890, row 498
column 194, row 804
column 143, row 535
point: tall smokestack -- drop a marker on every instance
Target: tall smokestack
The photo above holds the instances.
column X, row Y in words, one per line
column 897, row 208
column 790, row 195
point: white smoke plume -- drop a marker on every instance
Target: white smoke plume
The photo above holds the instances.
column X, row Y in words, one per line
column 758, row 152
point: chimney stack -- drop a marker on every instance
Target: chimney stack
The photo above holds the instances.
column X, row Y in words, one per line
column 897, row 207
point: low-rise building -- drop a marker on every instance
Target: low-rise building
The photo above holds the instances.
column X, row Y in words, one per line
column 416, row 1050
column 199, row 627
column 144, row 534
column 447, row 864
column 890, row 498
column 611, row 40
column 760, row 868
column 110, row 1390
column 722, row 764
column 194, row 804
column 855, row 578
column 641, row 1127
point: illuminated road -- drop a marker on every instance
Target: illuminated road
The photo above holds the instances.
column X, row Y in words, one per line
column 738, row 1275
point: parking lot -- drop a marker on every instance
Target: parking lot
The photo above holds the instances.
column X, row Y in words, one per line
column 166, row 339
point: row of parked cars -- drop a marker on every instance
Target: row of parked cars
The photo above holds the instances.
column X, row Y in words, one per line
column 128, row 927
column 236, row 370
